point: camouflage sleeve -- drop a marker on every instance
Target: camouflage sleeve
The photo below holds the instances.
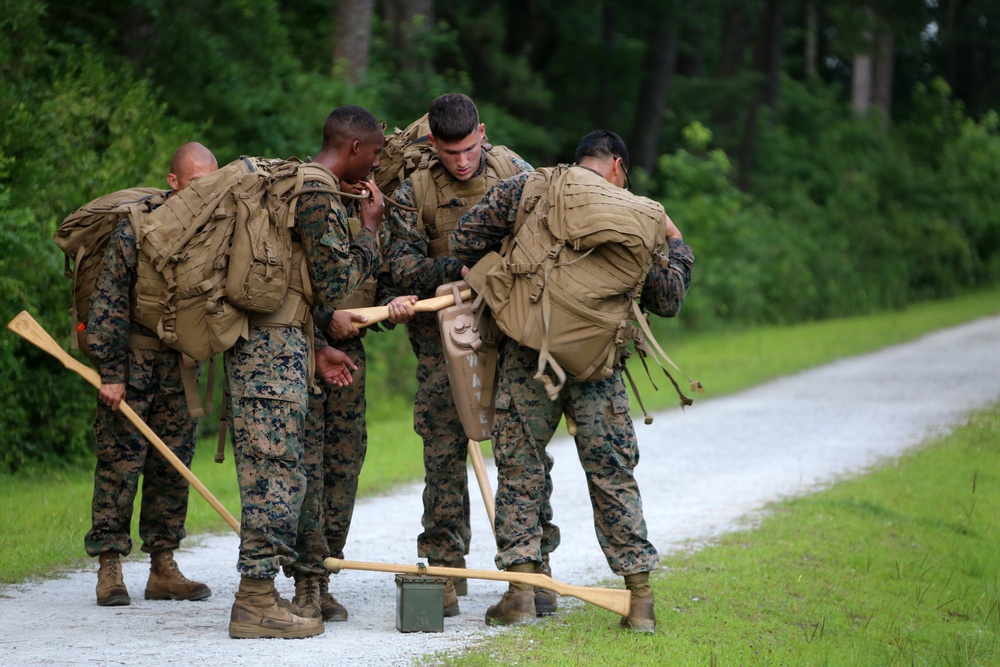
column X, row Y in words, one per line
column 337, row 266
column 668, row 281
column 520, row 163
column 489, row 222
column 319, row 332
column 108, row 323
column 411, row 268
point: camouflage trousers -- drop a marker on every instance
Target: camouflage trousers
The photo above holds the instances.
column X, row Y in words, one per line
column 335, row 447
column 525, row 422
column 447, row 530
column 268, row 401
column 155, row 392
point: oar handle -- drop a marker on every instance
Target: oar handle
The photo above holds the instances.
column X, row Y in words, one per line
column 376, row 314
column 25, row 326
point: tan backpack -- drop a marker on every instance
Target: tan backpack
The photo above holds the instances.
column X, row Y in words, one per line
column 404, row 151
column 219, row 250
column 567, row 282
column 83, row 236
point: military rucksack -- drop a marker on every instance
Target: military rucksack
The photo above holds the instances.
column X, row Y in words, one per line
column 221, row 249
column 567, row 282
column 83, row 236
column 404, row 151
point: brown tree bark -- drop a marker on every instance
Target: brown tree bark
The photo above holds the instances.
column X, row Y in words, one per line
column 658, row 70
column 352, row 38
column 767, row 61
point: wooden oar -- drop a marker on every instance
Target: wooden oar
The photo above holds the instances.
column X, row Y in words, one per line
column 376, row 314
column 25, row 326
column 479, row 466
column 616, row 600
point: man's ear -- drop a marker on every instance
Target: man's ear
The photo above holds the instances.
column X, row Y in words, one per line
column 431, row 141
column 482, row 131
column 355, row 146
column 173, row 182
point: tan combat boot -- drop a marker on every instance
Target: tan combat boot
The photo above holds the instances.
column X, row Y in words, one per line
column 642, row 614
column 167, row 583
column 546, row 601
column 517, row 606
column 257, row 614
column 450, row 592
column 111, row 591
column 461, row 583
column 306, row 599
column 328, row 605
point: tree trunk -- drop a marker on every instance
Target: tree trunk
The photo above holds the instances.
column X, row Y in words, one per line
column 812, row 39
column 658, row 69
column 767, row 61
column 352, row 38
column 862, row 71
column 405, row 29
column 605, row 94
column 885, row 58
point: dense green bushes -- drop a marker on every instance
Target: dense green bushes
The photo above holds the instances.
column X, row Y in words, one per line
column 842, row 215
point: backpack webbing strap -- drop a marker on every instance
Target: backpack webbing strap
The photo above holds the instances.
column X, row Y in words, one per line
column 647, row 418
column 649, row 344
column 186, row 365
column 545, row 358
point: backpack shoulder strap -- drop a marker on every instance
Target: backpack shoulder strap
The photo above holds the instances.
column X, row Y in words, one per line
column 500, row 160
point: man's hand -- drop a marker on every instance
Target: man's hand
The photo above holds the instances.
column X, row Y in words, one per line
column 335, row 367
column 672, row 231
column 112, row 394
column 360, row 188
column 342, row 325
column 465, row 271
column 372, row 208
column 401, row 309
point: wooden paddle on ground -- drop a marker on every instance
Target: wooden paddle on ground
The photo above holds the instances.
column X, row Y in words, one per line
column 615, row 600
column 25, row 326
column 376, row 314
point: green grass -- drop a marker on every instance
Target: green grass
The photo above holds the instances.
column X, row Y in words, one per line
column 898, row 567
column 47, row 513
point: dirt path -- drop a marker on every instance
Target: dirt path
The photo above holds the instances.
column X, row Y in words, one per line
column 701, row 473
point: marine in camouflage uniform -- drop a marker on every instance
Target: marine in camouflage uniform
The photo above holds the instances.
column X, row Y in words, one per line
column 268, row 374
column 526, row 420
column 415, row 270
column 269, row 388
column 336, row 443
column 128, row 353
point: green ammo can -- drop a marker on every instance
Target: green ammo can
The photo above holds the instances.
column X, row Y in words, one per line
column 419, row 603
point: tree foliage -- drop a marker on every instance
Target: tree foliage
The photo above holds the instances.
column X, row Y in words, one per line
column 739, row 110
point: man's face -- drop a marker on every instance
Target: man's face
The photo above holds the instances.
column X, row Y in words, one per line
column 461, row 158
column 365, row 159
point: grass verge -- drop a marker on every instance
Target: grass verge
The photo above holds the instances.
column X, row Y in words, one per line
column 48, row 512
column 898, row 567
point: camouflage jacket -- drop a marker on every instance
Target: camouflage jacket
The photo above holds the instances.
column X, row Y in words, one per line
column 110, row 323
column 337, row 265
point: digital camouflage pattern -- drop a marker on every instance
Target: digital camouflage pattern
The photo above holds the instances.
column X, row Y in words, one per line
column 336, row 442
column 445, row 520
column 526, row 418
column 268, row 391
column 525, row 422
column 155, row 391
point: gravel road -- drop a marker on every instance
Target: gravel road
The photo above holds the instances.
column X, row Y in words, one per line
column 702, row 472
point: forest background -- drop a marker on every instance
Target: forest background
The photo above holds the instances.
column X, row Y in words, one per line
column 822, row 158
